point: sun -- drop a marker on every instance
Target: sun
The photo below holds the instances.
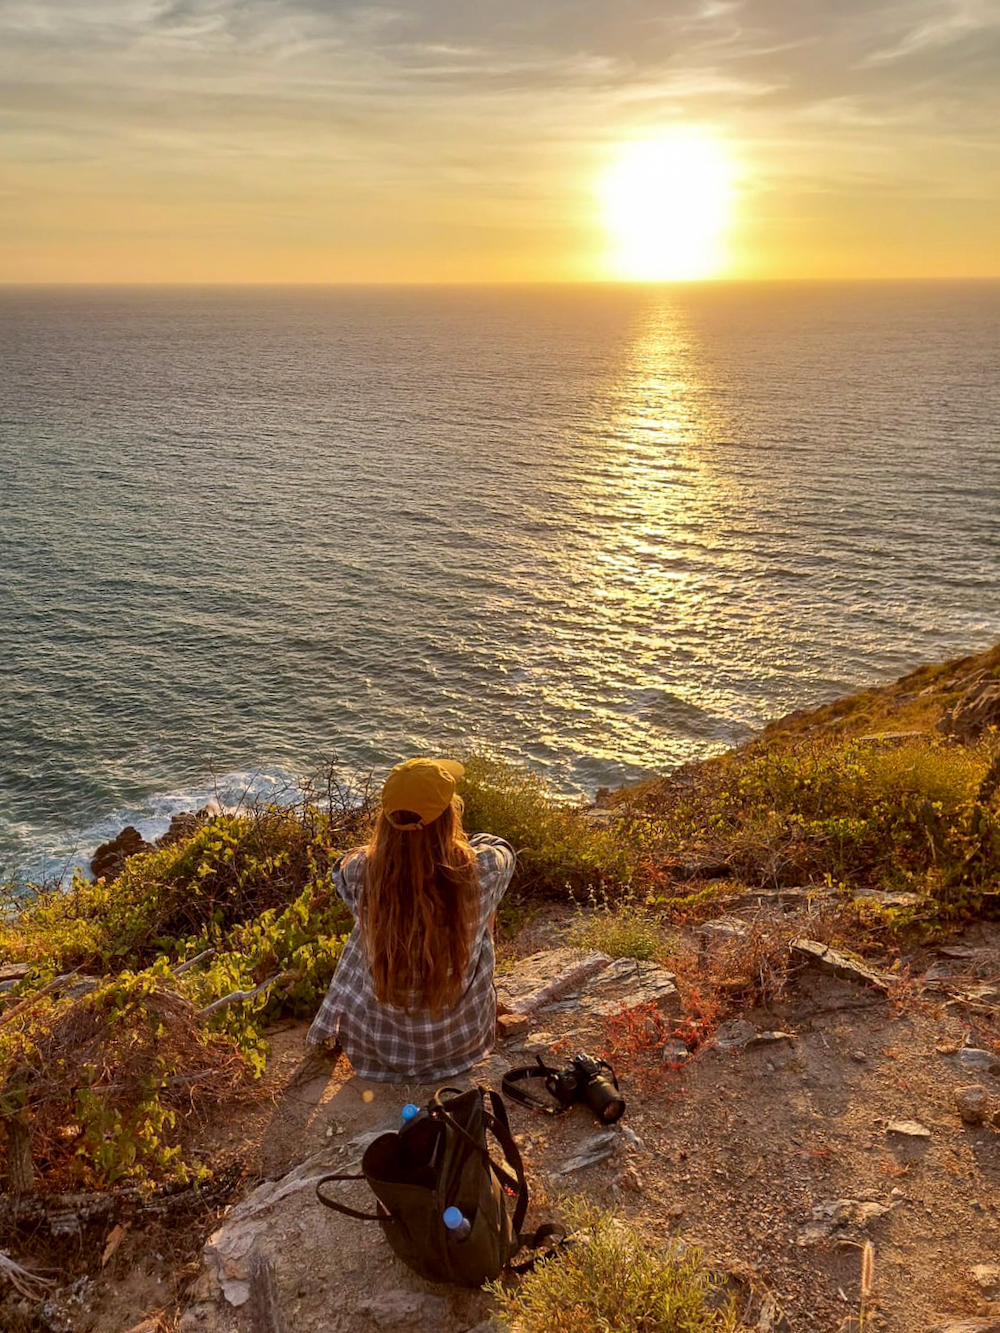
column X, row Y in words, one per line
column 667, row 203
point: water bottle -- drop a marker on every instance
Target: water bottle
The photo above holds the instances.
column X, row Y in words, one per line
column 457, row 1223
column 421, row 1138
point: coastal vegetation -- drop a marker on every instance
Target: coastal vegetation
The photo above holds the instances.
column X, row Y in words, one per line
column 617, row 1280
column 129, row 1003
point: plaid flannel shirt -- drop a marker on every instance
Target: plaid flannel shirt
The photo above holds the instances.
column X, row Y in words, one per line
column 382, row 1041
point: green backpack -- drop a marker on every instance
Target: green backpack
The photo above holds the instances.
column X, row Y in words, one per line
column 441, row 1160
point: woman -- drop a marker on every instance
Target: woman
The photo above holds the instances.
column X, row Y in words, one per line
column 412, row 997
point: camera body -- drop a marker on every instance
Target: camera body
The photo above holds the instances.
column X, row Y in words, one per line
column 584, row 1081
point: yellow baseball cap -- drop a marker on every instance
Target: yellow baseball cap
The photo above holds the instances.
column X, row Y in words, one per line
column 423, row 786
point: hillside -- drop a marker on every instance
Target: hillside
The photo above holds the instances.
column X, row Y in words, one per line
column 151, row 1028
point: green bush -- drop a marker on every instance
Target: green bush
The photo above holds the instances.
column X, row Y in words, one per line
column 232, row 869
column 296, row 950
column 610, row 1279
column 558, row 849
column 904, row 816
column 99, row 1085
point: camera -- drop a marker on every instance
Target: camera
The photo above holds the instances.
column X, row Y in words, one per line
column 583, row 1081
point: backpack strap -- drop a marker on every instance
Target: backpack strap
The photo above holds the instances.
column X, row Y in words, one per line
column 538, row 1070
column 499, row 1126
column 535, row 1240
column 342, row 1207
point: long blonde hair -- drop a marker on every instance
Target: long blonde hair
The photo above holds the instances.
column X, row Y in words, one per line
column 418, row 910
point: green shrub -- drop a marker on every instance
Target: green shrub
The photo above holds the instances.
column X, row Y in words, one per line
column 558, row 849
column 100, row 1083
column 296, row 950
column 230, row 871
column 906, row 816
column 610, row 1279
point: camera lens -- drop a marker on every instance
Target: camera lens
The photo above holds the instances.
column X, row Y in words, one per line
column 605, row 1100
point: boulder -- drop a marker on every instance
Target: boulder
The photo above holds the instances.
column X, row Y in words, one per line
column 975, row 1059
column 187, row 822
column 586, row 982
column 627, row 983
column 546, row 977
column 109, row 859
column 976, row 711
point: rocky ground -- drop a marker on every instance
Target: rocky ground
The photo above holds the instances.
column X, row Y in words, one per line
column 855, row 1106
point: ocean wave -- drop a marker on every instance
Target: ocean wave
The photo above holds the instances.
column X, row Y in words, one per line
column 55, row 855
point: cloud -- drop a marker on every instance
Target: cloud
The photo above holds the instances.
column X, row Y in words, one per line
column 942, row 25
column 508, row 102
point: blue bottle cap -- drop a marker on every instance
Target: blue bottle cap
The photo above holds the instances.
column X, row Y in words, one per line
column 452, row 1217
column 409, row 1111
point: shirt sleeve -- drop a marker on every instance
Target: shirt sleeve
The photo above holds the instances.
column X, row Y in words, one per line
column 347, row 880
column 495, row 861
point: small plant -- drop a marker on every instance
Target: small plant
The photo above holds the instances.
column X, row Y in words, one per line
column 623, row 929
column 610, row 1278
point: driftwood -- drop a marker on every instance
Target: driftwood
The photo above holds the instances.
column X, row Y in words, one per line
column 66, row 1215
column 56, row 984
column 202, row 957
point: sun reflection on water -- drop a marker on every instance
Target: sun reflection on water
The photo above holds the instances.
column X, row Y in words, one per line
column 652, row 499
column 658, row 483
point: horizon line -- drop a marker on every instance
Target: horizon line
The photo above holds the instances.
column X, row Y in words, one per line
column 628, row 284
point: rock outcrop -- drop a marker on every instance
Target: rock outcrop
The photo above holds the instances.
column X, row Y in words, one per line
column 186, row 823
column 976, row 711
column 110, row 857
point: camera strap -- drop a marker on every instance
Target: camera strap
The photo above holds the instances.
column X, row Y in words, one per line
column 540, row 1069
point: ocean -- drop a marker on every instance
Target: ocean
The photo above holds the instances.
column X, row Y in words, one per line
column 597, row 530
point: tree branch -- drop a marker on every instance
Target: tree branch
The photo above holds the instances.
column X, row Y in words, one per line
column 236, row 995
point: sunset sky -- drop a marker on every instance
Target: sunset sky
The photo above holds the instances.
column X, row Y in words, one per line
column 497, row 140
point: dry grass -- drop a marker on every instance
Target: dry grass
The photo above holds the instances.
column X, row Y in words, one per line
column 102, row 1082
